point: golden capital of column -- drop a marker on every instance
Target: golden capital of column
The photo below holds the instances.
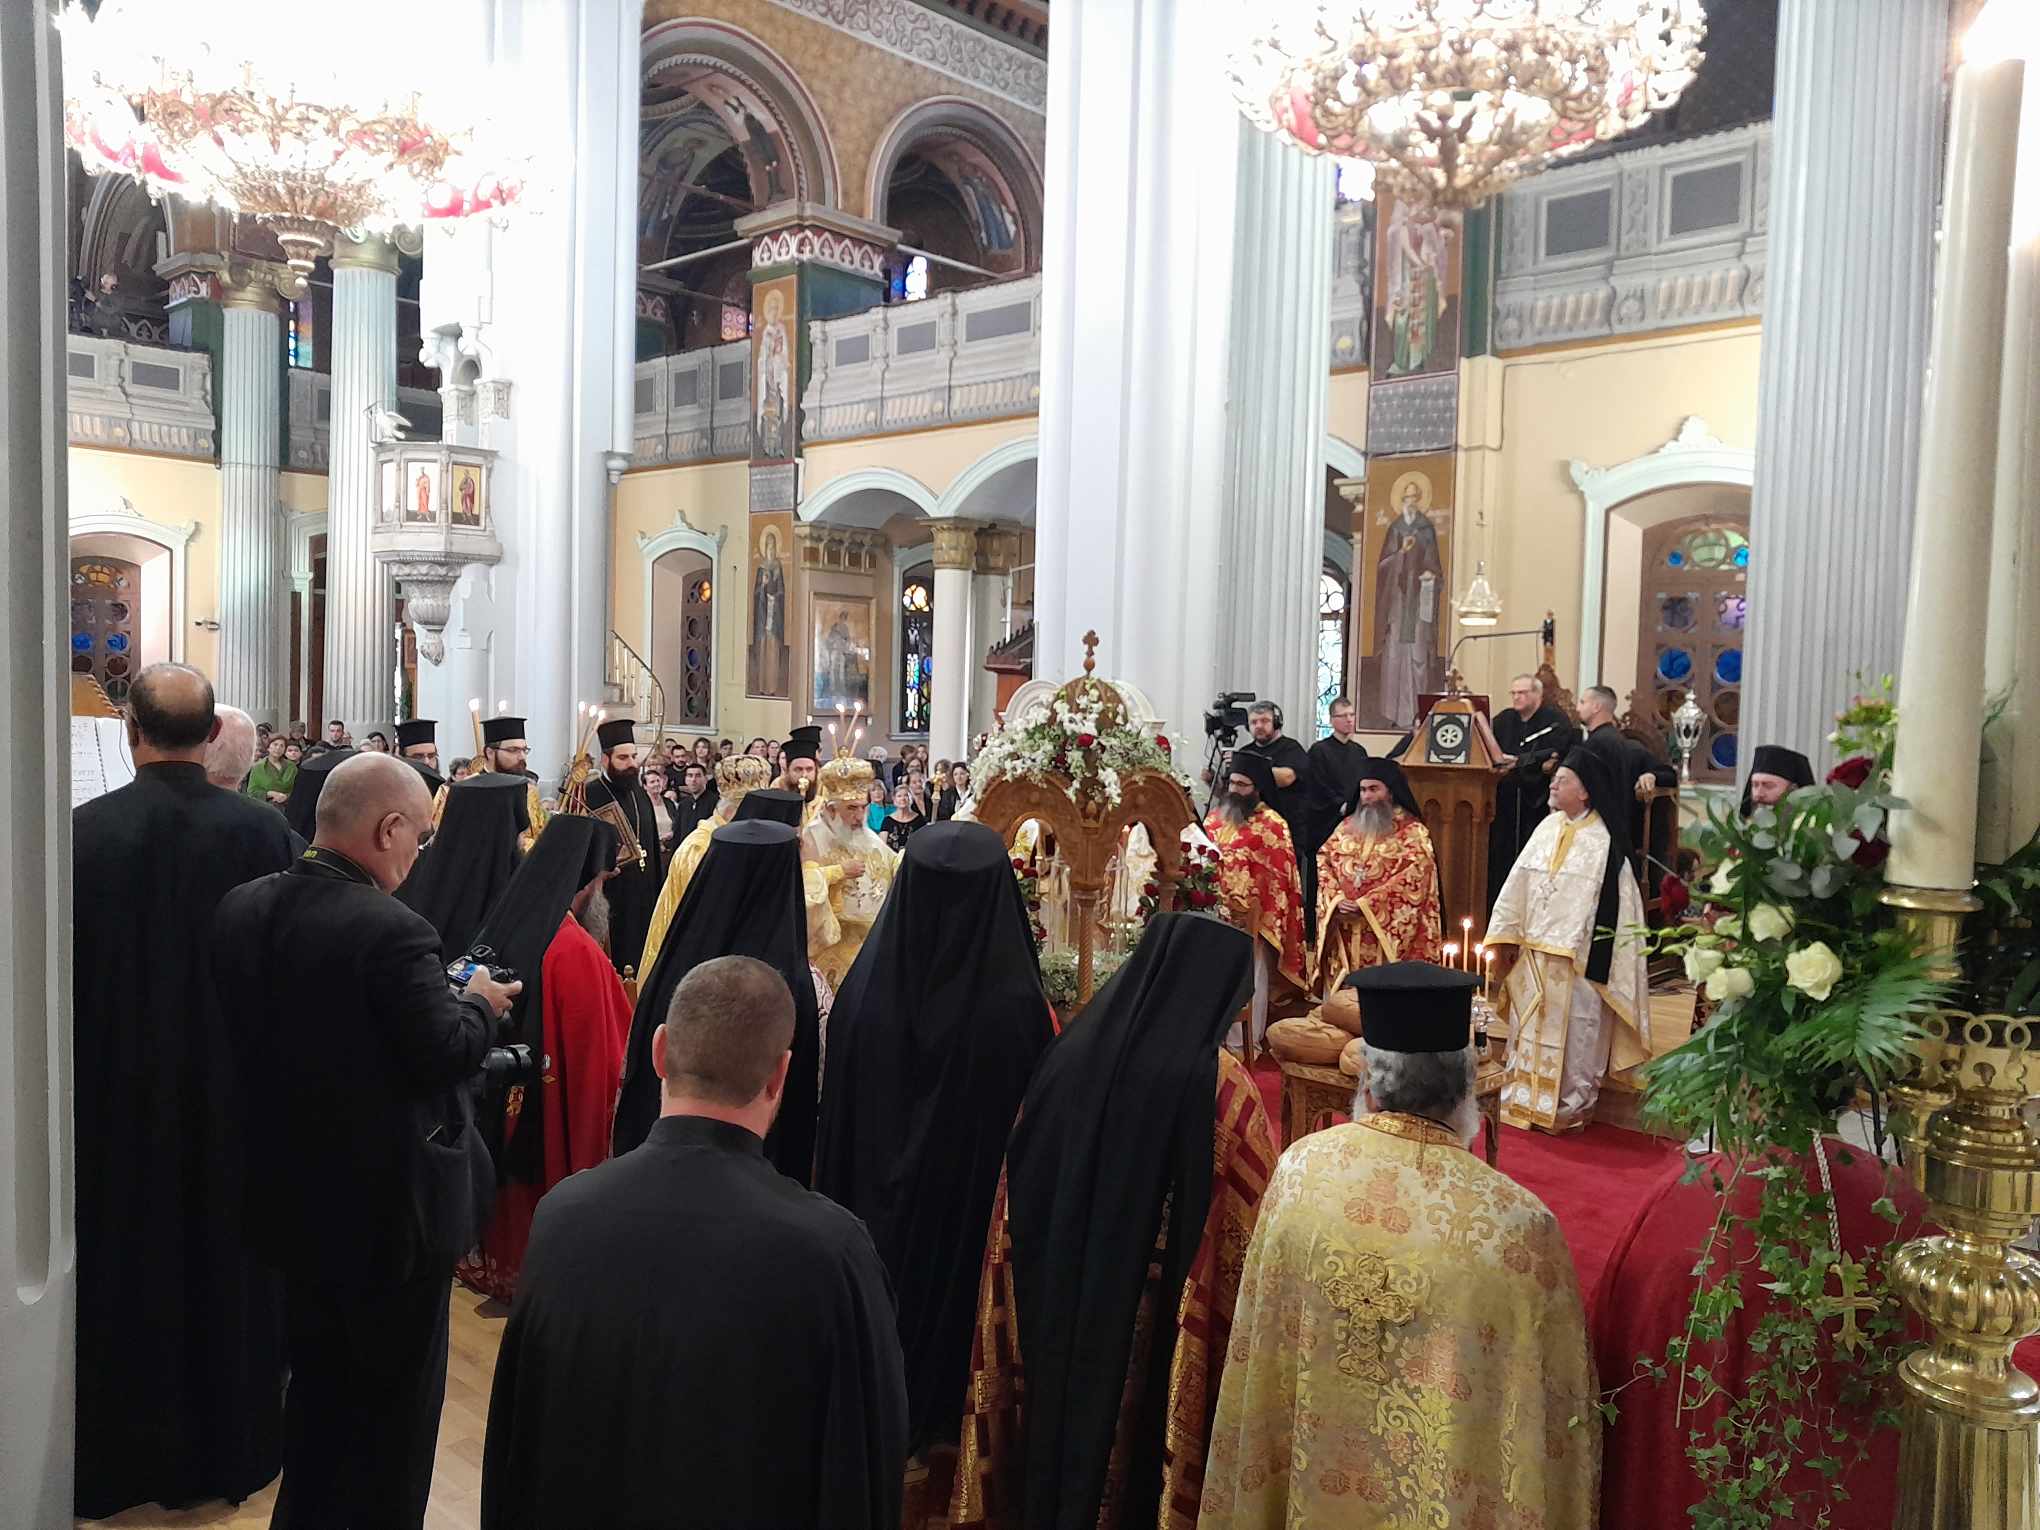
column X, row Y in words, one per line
column 372, row 253
column 998, row 550
column 956, row 543
column 260, row 285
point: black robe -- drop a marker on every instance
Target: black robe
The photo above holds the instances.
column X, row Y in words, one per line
column 934, row 1033
column 634, row 891
column 180, row 1339
column 1625, row 760
column 1520, row 793
column 472, row 857
column 696, row 1340
column 744, row 900
column 1334, row 776
column 1293, row 802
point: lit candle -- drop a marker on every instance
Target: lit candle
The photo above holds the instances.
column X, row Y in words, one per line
column 1487, row 974
column 1451, row 953
column 1466, row 941
column 1940, row 727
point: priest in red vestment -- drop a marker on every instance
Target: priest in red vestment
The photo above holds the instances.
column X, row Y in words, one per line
column 575, row 1018
column 1258, row 881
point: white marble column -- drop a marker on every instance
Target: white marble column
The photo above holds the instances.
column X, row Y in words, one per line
column 1855, row 155
column 251, row 651
column 1147, row 381
column 37, row 1248
column 359, row 655
column 949, row 706
column 990, row 582
column 1282, row 293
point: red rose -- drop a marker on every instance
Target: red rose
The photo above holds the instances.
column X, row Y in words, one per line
column 1199, row 898
column 1019, row 864
column 1162, row 740
column 1852, row 772
column 1871, row 853
column 1086, row 740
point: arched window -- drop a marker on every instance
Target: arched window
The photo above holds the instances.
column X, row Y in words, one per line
column 917, row 647
column 1331, row 644
column 1695, row 610
column 683, row 634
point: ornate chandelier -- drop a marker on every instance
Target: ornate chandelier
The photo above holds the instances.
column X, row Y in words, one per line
column 306, row 138
column 1449, row 99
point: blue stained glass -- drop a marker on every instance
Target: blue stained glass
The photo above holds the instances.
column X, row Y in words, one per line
column 1674, row 664
column 1722, row 751
column 1742, row 557
column 116, row 642
column 1728, row 666
column 81, row 642
column 1676, row 558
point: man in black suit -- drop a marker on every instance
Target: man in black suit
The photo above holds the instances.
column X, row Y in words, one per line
column 1291, row 765
column 361, row 1180
column 1632, row 768
column 697, row 1339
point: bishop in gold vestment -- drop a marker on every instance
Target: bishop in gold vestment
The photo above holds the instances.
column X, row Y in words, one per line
column 846, row 869
column 1409, row 1347
column 1377, row 882
column 735, row 778
column 1569, row 926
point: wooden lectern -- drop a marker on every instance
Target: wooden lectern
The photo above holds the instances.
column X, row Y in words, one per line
column 1452, row 773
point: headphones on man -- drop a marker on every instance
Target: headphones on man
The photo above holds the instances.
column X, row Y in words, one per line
column 1276, row 706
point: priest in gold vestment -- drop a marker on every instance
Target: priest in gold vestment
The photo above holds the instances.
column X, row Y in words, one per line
column 1112, row 1262
column 735, row 778
column 847, row 870
column 1377, row 882
column 1567, row 931
column 1409, row 1346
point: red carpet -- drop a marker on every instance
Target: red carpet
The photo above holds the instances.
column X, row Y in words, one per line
column 1593, row 1181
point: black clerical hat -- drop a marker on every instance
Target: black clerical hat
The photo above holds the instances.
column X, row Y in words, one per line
column 771, row 805
column 1255, row 768
column 1390, row 775
column 500, row 730
column 1777, row 760
column 618, row 730
column 804, row 743
column 419, row 730
column 1415, row 1007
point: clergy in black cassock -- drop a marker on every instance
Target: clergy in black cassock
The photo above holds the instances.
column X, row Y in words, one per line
column 934, row 1032
column 1292, row 799
column 743, row 900
column 1627, row 762
column 472, row 856
column 1534, row 735
column 697, row 1340
column 301, row 809
column 180, row 1339
column 1336, row 761
column 634, row 890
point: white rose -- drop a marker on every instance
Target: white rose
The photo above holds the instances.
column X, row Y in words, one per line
column 1813, row 970
column 1730, row 983
column 1728, row 927
column 1724, row 878
column 1702, row 964
column 1769, row 922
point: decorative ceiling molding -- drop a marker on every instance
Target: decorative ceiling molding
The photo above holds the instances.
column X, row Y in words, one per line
column 954, row 48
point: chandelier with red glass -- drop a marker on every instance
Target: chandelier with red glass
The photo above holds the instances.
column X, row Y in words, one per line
column 1448, row 100
column 308, row 137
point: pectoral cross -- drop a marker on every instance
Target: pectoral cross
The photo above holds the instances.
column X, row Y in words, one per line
column 1366, row 1307
column 1855, row 1281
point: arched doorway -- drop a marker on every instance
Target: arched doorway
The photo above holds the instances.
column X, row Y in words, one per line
column 961, row 188
column 683, row 634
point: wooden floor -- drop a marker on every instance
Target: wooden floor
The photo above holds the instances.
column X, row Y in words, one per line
column 456, row 1478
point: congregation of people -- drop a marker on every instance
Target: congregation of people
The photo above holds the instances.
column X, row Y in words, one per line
column 731, row 1071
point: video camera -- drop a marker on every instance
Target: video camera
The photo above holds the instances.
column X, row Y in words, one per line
column 512, row 1064
column 1226, row 717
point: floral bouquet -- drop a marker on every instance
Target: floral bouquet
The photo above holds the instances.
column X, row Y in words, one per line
column 1084, row 740
column 1196, row 889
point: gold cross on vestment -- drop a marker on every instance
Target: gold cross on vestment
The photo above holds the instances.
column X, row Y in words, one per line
column 1855, row 1283
column 1366, row 1306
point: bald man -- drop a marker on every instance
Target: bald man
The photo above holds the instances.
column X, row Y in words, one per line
column 364, row 1192
column 180, row 1372
column 231, row 754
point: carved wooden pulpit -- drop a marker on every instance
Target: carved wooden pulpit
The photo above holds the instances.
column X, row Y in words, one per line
column 1452, row 773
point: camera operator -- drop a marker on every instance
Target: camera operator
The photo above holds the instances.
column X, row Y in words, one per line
column 361, row 1186
column 1291, row 765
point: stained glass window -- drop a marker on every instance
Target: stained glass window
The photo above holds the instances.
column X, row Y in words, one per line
column 697, row 652
column 1331, row 646
column 104, row 595
column 917, row 647
column 1695, row 607
column 302, row 349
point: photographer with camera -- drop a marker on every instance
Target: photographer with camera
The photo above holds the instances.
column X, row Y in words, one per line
column 361, row 1173
column 1289, row 764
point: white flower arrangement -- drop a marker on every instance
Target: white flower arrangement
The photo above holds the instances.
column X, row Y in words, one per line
column 1080, row 745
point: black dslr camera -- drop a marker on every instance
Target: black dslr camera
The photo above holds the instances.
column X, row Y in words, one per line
column 1223, row 722
column 512, row 1064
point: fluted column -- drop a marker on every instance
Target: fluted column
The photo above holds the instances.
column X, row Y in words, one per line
column 1155, row 362
column 251, row 409
column 359, row 655
column 1855, row 165
column 1282, row 293
column 998, row 549
column 949, row 706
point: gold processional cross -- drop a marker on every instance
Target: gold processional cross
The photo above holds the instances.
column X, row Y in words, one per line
column 1366, row 1307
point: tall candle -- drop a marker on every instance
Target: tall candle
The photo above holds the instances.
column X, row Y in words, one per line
column 1940, row 720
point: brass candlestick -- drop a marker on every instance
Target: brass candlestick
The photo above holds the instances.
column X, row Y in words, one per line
column 1970, row 1457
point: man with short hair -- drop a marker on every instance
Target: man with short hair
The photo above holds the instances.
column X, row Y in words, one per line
column 1378, row 891
column 733, row 1332
column 1775, row 773
column 180, row 1365
column 336, row 733
column 1533, row 736
column 695, row 800
column 636, row 887
column 1565, row 933
column 1334, row 774
column 1627, row 761
column 1258, row 881
column 1289, row 764
column 1392, row 1362
column 232, row 750
column 366, row 1260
